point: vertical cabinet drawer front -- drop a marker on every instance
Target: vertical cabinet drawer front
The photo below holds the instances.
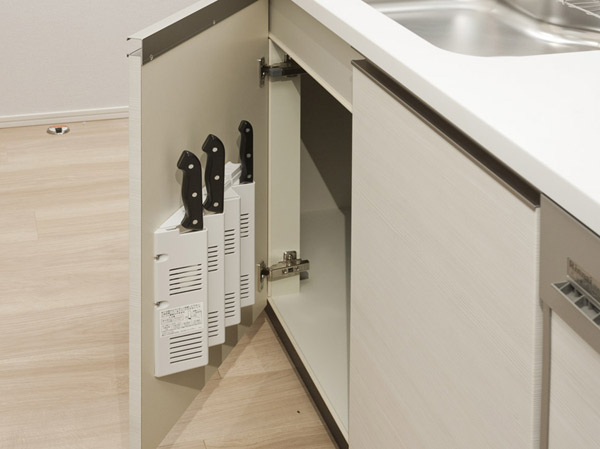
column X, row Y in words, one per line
column 445, row 319
column 574, row 390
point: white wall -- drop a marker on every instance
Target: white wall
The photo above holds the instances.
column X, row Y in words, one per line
column 69, row 55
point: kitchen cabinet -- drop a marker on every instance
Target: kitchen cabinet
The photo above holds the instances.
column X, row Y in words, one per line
column 196, row 73
column 423, row 247
column 445, row 331
column 570, row 290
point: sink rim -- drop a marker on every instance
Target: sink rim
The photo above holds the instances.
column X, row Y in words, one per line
column 557, row 38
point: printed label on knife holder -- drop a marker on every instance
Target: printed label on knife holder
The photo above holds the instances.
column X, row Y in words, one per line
column 182, row 320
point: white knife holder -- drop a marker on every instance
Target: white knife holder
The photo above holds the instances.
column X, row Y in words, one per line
column 247, row 264
column 231, row 208
column 202, row 279
column 180, row 298
column 215, row 225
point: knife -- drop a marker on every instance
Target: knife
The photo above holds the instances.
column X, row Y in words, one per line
column 214, row 175
column 246, row 151
column 191, row 190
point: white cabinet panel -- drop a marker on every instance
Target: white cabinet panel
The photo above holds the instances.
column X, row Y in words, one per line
column 445, row 318
column 324, row 55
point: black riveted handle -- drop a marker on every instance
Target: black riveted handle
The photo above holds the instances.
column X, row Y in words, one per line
column 214, row 175
column 191, row 190
column 246, row 151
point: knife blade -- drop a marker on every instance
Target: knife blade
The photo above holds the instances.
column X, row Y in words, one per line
column 214, row 175
column 191, row 190
column 246, row 151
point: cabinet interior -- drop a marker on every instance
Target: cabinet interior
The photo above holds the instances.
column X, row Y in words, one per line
column 317, row 317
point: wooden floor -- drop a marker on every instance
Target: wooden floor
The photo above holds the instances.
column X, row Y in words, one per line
column 64, row 313
column 64, row 287
column 255, row 400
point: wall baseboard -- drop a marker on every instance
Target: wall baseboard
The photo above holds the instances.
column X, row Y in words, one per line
column 64, row 117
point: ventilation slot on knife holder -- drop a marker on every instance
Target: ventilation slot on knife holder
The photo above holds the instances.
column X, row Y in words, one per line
column 230, row 241
column 213, row 258
column 185, row 347
column 230, row 304
column 587, row 305
column 244, row 225
column 244, row 286
column 213, row 324
column 185, row 279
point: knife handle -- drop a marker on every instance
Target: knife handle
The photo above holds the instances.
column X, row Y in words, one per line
column 191, row 190
column 214, row 175
column 246, row 151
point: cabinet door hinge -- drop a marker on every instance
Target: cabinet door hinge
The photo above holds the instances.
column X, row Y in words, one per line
column 287, row 68
column 291, row 265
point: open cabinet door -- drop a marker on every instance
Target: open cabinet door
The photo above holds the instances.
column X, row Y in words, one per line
column 196, row 73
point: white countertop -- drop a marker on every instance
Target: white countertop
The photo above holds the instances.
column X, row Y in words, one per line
column 538, row 114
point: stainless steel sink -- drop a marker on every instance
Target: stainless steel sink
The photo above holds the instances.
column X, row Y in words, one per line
column 495, row 27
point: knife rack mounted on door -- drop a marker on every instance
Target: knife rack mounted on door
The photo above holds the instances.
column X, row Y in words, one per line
column 204, row 257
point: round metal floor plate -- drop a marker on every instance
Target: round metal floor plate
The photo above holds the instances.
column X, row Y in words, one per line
column 58, row 130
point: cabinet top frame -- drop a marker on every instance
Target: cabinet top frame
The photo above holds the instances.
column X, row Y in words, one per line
column 161, row 37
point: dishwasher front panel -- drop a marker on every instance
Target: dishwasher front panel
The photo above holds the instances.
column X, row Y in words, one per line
column 570, row 291
column 570, row 271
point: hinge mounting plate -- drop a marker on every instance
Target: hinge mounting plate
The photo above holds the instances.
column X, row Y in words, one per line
column 287, row 68
column 291, row 265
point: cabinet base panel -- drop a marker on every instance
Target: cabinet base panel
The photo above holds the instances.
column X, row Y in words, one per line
column 320, row 404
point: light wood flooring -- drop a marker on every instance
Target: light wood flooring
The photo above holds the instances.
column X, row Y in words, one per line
column 255, row 400
column 64, row 313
